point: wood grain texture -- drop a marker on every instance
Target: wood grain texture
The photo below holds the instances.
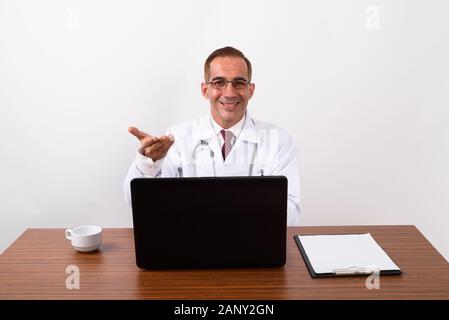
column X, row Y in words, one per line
column 33, row 267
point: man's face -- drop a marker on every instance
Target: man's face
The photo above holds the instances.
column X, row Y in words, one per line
column 228, row 105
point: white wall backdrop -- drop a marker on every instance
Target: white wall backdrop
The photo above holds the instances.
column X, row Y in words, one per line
column 361, row 85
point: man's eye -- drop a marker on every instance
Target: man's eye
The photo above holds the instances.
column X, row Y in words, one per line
column 240, row 83
column 219, row 83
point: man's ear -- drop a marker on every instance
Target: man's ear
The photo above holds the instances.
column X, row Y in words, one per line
column 205, row 90
column 252, row 87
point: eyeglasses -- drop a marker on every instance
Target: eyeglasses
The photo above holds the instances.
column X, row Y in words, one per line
column 222, row 83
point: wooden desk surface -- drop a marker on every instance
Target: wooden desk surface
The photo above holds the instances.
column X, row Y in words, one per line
column 33, row 267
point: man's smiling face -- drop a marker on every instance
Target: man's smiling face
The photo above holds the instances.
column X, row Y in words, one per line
column 228, row 105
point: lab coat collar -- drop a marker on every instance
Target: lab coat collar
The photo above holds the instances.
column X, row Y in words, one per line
column 204, row 129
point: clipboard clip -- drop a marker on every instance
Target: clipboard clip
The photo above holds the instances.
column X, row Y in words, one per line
column 356, row 270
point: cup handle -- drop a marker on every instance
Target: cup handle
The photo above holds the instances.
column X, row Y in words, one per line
column 68, row 234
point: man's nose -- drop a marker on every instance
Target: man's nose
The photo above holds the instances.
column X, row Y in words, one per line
column 229, row 90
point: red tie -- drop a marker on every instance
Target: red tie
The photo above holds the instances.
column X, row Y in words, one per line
column 226, row 148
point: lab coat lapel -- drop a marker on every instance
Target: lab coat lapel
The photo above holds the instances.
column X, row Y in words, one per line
column 245, row 143
column 205, row 131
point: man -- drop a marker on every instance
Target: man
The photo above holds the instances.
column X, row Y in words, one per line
column 228, row 142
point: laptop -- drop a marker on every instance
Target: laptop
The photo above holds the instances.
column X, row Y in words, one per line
column 209, row 222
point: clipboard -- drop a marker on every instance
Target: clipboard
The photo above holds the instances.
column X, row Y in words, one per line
column 363, row 269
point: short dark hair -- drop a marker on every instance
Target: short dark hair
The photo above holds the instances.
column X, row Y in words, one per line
column 226, row 52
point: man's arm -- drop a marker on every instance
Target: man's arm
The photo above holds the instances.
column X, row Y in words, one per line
column 149, row 159
column 286, row 165
column 141, row 167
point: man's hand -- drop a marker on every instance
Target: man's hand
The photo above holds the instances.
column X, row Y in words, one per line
column 150, row 146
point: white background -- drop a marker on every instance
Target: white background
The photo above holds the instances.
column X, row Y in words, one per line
column 363, row 87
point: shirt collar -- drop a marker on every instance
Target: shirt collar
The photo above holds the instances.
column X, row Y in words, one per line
column 235, row 129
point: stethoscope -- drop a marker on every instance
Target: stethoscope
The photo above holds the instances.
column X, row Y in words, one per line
column 203, row 144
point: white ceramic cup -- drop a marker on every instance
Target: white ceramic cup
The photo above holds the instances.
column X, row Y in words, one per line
column 85, row 238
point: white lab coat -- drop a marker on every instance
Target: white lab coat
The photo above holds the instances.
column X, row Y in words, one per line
column 271, row 148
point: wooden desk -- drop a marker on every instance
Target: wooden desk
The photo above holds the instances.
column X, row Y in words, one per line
column 33, row 267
